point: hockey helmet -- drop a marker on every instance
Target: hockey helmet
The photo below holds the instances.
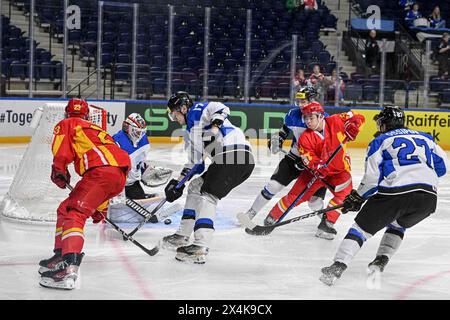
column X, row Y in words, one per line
column 135, row 127
column 177, row 101
column 77, row 108
column 304, row 94
column 312, row 108
column 391, row 117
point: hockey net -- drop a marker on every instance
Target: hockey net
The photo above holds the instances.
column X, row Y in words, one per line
column 32, row 196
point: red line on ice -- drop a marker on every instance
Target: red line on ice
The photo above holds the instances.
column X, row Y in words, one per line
column 409, row 289
column 132, row 271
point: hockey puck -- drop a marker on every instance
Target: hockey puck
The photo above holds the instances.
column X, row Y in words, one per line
column 167, row 221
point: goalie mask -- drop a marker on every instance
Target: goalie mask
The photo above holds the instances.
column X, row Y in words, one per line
column 176, row 102
column 77, row 108
column 135, row 127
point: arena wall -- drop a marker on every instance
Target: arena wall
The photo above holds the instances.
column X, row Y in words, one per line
column 256, row 120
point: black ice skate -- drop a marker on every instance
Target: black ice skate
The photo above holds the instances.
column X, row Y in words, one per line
column 65, row 273
column 50, row 263
column 379, row 263
column 374, row 270
column 174, row 241
column 332, row 273
column 325, row 229
column 192, row 254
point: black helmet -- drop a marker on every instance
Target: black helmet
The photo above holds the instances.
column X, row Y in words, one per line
column 179, row 99
column 391, row 117
column 307, row 93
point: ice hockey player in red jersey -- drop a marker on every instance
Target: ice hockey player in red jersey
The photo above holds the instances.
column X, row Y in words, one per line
column 315, row 145
column 103, row 166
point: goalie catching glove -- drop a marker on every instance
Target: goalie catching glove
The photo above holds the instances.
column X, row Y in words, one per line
column 156, row 176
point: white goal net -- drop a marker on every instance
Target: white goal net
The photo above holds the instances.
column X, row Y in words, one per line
column 32, row 196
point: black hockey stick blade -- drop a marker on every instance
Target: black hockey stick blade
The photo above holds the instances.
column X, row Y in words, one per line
column 265, row 230
column 260, row 230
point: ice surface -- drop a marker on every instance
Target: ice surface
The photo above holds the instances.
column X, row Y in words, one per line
column 284, row 265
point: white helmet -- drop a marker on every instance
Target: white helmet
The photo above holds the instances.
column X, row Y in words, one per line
column 135, row 127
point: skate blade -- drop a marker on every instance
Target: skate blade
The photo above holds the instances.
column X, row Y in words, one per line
column 190, row 260
column 325, row 235
column 373, row 281
column 67, row 284
column 328, row 280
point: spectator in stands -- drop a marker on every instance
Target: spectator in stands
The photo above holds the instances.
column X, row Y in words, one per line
column 316, row 80
column 406, row 4
column 292, row 5
column 435, row 18
column 300, row 79
column 330, row 84
column 412, row 15
column 310, row 5
column 372, row 51
column 444, row 55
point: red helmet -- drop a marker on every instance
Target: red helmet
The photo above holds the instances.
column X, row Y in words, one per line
column 77, row 108
column 312, row 107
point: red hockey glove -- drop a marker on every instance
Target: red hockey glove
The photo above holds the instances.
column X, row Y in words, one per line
column 99, row 216
column 60, row 177
column 351, row 130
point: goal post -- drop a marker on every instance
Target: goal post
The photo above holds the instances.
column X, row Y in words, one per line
column 32, row 196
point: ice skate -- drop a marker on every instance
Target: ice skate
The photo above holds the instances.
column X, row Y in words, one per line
column 374, row 270
column 174, row 241
column 50, row 263
column 192, row 254
column 245, row 218
column 65, row 274
column 325, row 229
column 332, row 273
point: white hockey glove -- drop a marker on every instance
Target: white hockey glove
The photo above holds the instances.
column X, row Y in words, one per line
column 156, row 176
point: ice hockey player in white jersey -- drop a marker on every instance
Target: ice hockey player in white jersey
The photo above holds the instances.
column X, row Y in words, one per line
column 400, row 185
column 212, row 135
column 289, row 167
column 133, row 139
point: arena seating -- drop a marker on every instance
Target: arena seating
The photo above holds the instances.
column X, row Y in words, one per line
column 272, row 26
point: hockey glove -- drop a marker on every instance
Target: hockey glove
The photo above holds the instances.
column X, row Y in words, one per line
column 352, row 202
column 98, row 216
column 60, row 176
column 173, row 193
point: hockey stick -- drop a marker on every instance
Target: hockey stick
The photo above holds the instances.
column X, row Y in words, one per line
column 265, row 230
column 181, row 183
column 125, row 235
column 252, row 225
column 337, row 188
